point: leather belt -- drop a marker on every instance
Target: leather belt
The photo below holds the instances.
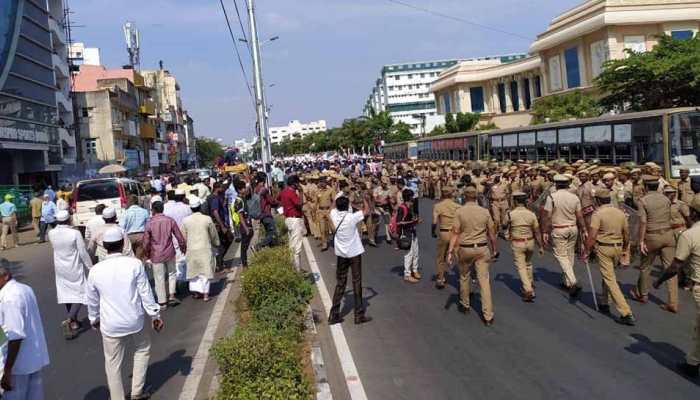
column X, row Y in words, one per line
column 676, row 226
column 473, row 246
column 324, row 208
column 501, row 199
column 444, row 230
column 619, row 244
column 562, row 226
column 520, row 240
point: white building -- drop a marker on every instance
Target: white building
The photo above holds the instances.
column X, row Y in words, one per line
column 243, row 145
column 295, row 130
column 81, row 55
column 404, row 91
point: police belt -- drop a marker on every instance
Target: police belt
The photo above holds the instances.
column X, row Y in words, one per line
column 474, row 245
column 521, row 239
column 618, row 244
column 660, row 230
column 499, row 199
column 324, row 208
column 563, row 226
column 676, row 226
column 588, row 210
column 444, row 230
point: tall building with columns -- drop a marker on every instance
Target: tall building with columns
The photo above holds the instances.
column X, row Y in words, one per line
column 566, row 57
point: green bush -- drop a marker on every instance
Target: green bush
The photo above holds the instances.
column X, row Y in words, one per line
column 272, row 276
column 281, row 230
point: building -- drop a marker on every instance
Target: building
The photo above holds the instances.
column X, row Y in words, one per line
column 35, row 123
column 244, row 146
column 566, row 57
column 295, row 130
column 404, row 91
column 81, row 55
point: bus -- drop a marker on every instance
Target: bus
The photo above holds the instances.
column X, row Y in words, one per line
column 669, row 137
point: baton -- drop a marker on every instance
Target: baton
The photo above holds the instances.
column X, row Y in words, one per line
column 590, row 279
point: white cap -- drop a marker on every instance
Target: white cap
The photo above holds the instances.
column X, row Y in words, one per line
column 179, row 192
column 109, row 212
column 156, row 198
column 62, row 216
column 113, row 234
column 195, row 202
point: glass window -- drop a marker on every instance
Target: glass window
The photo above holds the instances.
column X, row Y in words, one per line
column 30, row 90
column 526, row 144
column 514, row 98
column 476, row 95
column 496, row 147
column 98, row 190
column 645, row 140
column 34, row 51
column 33, row 71
column 446, row 103
column 538, row 86
column 527, row 94
column 622, row 143
column 598, row 143
column 636, row 43
column 502, row 97
column 570, row 147
column 36, row 33
column 547, row 145
column 685, row 142
column 573, row 75
column 510, row 146
column 685, row 34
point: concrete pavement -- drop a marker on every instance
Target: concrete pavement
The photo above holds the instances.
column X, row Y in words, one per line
column 420, row 347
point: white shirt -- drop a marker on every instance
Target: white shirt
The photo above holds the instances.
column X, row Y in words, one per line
column 61, row 204
column 92, row 225
column 347, row 240
column 202, row 190
column 70, row 260
column 20, row 319
column 177, row 211
column 118, row 292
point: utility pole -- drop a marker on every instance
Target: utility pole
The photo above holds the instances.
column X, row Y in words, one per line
column 259, row 94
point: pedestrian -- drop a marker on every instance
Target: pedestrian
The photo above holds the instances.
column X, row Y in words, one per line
column 48, row 217
column 443, row 218
column 202, row 189
column 563, row 222
column 35, row 205
column 290, row 199
column 176, row 208
column 324, row 199
column 8, row 211
column 609, row 232
column 49, row 192
column 474, row 242
column 406, row 221
column 265, row 216
column 216, row 204
column 133, row 222
column 71, row 262
column 523, row 230
column 95, row 222
column 118, row 293
column 202, row 239
column 96, row 246
column 240, row 213
column 159, row 248
column 348, row 250
column 26, row 353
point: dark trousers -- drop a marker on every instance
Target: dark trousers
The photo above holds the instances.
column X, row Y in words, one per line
column 344, row 264
column 246, row 237
column 43, row 228
column 269, row 224
column 416, row 209
column 72, row 309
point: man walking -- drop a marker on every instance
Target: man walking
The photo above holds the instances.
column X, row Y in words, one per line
column 8, row 212
column 348, row 250
column 265, row 215
column 26, row 353
column 35, row 205
column 133, row 222
column 48, row 217
column 443, row 218
column 201, row 238
column 523, row 231
column 70, row 261
column 290, row 199
column 96, row 244
column 159, row 248
column 118, row 293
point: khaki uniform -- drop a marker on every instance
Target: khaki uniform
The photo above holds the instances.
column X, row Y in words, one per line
column 679, row 214
column 325, row 199
column 688, row 249
column 473, row 223
column 585, row 194
column 443, row 215
column 655, row 210
column 613, row 231
column 434, row 191
column 310, row 208
column 685, row 193
column 638, row 191
column 563, row 206
column 499, row 204
column 371, row 220
column 523, row 225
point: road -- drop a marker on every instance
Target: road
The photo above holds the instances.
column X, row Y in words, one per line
column 420, row 347
column 77, row 367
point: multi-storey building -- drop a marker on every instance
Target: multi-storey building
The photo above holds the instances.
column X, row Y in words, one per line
column 79, row 54
column 404, row 91
column 567, row 57
column 35, row 123
column 294, row 130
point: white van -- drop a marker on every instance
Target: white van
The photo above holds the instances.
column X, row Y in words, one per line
column 112, row 192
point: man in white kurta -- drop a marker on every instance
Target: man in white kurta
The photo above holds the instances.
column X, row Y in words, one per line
column 71, row 261
column 26, row 343
column 95, row 246
column 202, row 239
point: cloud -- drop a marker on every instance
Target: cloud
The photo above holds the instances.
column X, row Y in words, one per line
column 276, row 22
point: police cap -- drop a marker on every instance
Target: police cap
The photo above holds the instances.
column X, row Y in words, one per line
column 561, row 178
column 603, row 193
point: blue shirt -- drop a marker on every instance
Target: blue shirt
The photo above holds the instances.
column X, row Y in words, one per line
column 48, row 212
column 231, row 194
column 413, row 185
column 134, row 220
column 157, row 185
column 51, row 193
column 7, row 209
column 277, row 174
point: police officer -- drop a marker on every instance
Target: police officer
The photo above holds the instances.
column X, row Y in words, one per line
column 499, row 201
column 474, row 234
column 655, row 238
column 523, row 231
column 685, row 192
column 688, row 250
column 563, row 222
column 609, row 233
column 309, row 207
column 443, row 218
column 325, row 197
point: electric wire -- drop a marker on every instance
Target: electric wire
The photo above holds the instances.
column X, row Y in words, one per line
column 238, row 54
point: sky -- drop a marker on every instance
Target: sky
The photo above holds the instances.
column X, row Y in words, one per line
column 326, row 60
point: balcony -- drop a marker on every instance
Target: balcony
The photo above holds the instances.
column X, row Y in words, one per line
column 64, row 104
column 60, row 66
column 148, row 107
column 57, row 31
column 147, row 131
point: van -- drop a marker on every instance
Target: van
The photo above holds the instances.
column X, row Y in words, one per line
column 112, row 192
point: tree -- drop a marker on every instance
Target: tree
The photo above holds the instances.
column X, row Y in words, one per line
column 564, row 106
column 438, row 130
column 400, row 132
column 208, row 150
column 487, row 126
column 450, row 123
column 461, row 122
column 665, row 77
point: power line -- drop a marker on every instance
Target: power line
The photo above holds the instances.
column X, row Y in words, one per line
column 452, row 17
column 238, row 54
column 240, row 23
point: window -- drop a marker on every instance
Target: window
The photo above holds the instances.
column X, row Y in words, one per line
column 85, row 112
column 636, row 43
column 410, row 76
column 573, row 74
column 98, row 190
column 685, row 142
column 555, row 74
column 496, row 145
column 547, row 145
column 397, row 77
column 502, row 97
column 599, row 55
column 538, row 86
column 682, row 35
column 598, row 143
column 476, row 95
column 570, row 147
column 526, row 145
column 514, row 98
column 527, row 94
column 422, row 75
column 446, row 103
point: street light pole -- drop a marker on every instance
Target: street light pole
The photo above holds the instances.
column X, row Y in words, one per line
column 259, row 95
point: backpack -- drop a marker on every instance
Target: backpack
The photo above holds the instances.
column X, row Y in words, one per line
column 254, row 206
column 393, row 223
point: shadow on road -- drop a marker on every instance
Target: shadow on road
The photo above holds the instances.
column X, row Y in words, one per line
column 349, row 300
column 665, row 354
column 160, row 372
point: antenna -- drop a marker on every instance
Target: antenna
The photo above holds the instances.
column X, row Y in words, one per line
column 133, row 45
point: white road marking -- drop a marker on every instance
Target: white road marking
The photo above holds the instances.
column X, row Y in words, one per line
column 191, row 386
column 352, row 378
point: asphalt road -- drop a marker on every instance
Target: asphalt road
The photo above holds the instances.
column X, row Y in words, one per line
column 77, row 367
column 420, row 347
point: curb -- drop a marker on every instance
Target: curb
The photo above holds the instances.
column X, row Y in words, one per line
column 323, row 388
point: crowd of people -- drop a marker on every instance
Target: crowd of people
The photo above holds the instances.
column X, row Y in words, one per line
column 181, row 230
